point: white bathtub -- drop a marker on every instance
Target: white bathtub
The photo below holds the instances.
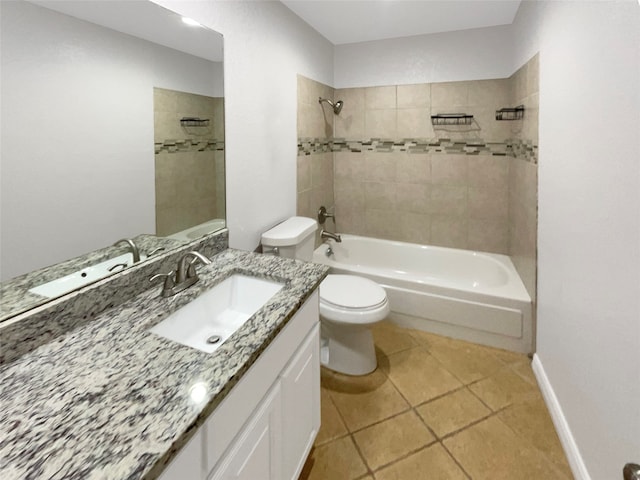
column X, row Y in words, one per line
column 474, row 296
column 198, row 231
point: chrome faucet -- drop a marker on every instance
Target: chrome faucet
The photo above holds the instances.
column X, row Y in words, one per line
column 334, row 236
column 184, row 277
column 132, row 247
column 187, row 268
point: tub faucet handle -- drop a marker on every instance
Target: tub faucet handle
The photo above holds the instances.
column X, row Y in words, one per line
column 323, row 215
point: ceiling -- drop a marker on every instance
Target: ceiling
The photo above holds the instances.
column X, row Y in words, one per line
column 352, row 21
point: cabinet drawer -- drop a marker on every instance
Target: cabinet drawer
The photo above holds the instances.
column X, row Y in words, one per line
column 229, row 417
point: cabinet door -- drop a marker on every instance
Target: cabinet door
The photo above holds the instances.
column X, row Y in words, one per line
column 256, row 454
column 300, row 383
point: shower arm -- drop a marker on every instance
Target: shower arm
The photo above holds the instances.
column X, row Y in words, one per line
column 337, row 106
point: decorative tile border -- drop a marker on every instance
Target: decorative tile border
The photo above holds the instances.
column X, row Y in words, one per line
column 189, row 145
column 524, row 150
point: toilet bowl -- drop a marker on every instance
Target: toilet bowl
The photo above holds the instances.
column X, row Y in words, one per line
column 349, row 305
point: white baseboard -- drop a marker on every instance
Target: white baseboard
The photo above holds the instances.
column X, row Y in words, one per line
column 576, row 463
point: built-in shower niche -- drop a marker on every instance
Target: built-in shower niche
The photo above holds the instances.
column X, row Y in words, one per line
column 189, row 160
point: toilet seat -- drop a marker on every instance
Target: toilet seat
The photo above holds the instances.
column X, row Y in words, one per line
column 352, row 300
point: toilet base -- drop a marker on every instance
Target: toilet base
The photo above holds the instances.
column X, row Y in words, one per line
column 347, row 349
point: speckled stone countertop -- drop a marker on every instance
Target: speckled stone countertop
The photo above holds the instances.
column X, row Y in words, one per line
column 110, row 400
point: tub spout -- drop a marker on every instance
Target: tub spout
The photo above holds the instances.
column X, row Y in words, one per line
column 334, row 236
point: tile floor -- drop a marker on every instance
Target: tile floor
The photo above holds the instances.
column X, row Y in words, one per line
column 435, row 408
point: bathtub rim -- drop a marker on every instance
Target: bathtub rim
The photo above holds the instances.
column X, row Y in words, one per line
column 514, row 290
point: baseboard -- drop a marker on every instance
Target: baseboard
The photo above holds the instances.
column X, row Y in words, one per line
column 576, row 463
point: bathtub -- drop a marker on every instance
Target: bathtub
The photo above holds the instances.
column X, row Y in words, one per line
column 198, row 231
column 474, row 296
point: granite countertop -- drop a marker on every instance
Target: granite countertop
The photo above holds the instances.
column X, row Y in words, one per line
column 111, row 400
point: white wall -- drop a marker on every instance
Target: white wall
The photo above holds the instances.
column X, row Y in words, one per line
column 77, row 134
column 265, row 47
column 477, row 54
column 589, row 220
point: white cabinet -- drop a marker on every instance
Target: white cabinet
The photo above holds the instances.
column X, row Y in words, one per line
column 300, row 405
column 255, row 454
column 188, row 463
column 266, row 426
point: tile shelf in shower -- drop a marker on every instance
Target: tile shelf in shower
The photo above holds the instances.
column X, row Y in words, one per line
column 452, row 119
column 194, row 122
column 516, row 113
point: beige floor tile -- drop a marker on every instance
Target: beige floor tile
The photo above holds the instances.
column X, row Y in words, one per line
column 432, row 463
column 510, row 358
column 452, row 412
column 387, row 441
column 503, row 389
column 531, row 421
column 331, row 426
column 490, row 450
column 337, row 460
column 468, row 362
column 427, row 339
column 363, row 401
column 419, row 376
column 391, row 339
column 525, row 371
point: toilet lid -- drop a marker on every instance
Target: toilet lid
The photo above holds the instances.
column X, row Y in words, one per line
column 349, row 291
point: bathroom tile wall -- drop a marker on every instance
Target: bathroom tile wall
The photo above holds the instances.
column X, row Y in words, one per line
column 189, row 160
column 315, row 178
column 449, row 200
column 397, row 176
column 523, row 178
column 439, row 185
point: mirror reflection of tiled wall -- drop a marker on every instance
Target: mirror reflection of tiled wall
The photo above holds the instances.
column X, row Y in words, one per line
column 397, row 176
column 189, row 160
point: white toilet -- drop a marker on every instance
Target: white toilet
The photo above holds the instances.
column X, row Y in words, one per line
column 349, row 305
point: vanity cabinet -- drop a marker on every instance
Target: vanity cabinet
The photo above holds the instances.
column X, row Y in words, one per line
column 266, row 426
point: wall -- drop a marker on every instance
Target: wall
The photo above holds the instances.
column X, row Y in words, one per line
column 77, row 151
column 589, row 226
column 481, row 53
column 523, row 176
column 189, row 160
column 266, row 46
column 314, row 171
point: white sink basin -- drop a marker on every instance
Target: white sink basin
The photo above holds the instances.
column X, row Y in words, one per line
column 217, row 313
column 83, row 277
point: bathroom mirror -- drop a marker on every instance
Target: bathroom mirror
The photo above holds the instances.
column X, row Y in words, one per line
column 112, row 126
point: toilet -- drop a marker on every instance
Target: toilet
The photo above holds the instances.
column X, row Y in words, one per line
column 349, row 305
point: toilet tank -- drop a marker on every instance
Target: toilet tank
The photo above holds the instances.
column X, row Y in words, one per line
column 294, row 238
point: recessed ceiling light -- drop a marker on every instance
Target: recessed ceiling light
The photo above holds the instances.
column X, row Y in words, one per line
column 191, row 22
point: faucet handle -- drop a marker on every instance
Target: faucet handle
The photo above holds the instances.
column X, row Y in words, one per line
column 169, row 282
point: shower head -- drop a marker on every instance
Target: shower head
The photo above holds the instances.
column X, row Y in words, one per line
column 336, row 106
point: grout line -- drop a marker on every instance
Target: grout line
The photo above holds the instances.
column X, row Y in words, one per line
column 479, row 399
column 406, row 455
column 469, row 425
column 455, row 460
column 362, row 457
